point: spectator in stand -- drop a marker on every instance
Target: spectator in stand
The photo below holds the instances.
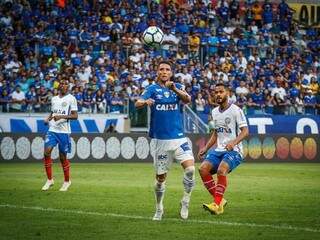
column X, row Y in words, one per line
column 299, row 104
column 200, row 103
column 88, row 97
column 242, row 89
column 318, row 103
column 310, row 102
column 17, row 100
column 279, row 104
column 42, row 45
column 258, row 101
column 5, row 100
column 194, row 45
column 116, row 103
column 100, row 102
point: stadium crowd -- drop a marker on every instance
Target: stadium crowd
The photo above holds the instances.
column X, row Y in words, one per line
column 270, row 62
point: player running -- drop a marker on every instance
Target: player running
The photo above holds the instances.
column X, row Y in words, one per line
column 228, row 120
column 63, row 109
column 166, row 129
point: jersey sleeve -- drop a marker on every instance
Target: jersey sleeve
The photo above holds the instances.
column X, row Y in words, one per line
column 73, row 104
column 180, row 86
column 241, row 118
column 147, row 93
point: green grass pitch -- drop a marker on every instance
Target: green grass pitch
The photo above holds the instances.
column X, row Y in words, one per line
column 115, row 201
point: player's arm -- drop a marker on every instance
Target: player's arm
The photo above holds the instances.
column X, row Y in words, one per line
column 48, row 119
column 243, row 134
column 72, row 116
column 209, row 144
column 183, row 95
column 73, row 112
column 145, row 99
column 243, row 125
column 144, row 102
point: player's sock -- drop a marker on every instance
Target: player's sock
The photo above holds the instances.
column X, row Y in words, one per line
column 209, row 184
column 220, row 188
column 66, row 170
column 188, row 182
column 159, row 189
column 48, row 166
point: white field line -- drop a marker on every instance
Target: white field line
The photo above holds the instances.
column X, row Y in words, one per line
column 216, row 222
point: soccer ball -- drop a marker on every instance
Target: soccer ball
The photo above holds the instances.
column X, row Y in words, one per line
column 152, row 36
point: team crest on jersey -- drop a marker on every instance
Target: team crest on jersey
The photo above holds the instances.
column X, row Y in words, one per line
column 166, row 94
column 64, row 104
column 227, row 121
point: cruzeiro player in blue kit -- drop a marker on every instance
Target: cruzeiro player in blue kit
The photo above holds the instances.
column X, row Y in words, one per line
column 166, row 130
column 63, row 109
column 230, row 128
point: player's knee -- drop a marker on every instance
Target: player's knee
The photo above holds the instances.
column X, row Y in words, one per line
column 189, row 172
column 47, row 153
column 222, row 171
column 203, row 170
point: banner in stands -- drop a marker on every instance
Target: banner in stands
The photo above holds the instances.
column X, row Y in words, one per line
column 86, row 123
column 263, row 124
column 283, row 124
column 139, row 148
column 306, row 12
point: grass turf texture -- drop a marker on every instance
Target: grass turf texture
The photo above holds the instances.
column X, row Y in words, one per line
column 115, row 201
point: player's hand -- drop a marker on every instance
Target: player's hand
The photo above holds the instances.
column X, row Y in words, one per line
column 58, row 117
column 170, row 85
column 149, row 102
column 47, row 120
column 201, row 153
column 230, row 146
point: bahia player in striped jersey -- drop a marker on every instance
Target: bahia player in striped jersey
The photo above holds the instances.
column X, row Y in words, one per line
column 63, row 109
column 230, row 128
column 166, row 129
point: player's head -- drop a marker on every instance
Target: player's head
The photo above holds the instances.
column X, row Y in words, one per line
column 64, row 86
column 164, row 72
column 221, row 93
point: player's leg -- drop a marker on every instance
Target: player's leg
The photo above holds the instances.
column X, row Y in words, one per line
column 229, row 162
column 208, row 167
column 222, row 173
column 205, row 171
column 159, row 190
column 184, row 155
column 188, row 185
column 161, row 161
column 64, row 149
column 65, row 164
column 50, row 143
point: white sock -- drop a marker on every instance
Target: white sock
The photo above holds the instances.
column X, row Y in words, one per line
column 159, row 189
column 188, row 182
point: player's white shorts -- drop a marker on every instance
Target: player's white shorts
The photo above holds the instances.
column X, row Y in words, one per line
column 167, row 150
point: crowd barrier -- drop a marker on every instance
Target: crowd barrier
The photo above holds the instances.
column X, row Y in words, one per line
column 139, row 148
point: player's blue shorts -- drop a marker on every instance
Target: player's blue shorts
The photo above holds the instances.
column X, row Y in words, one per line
column 62, row 139
column 232, row 158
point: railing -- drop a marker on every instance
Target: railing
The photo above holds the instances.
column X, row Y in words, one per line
column 192, row 122
column 45, row 108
